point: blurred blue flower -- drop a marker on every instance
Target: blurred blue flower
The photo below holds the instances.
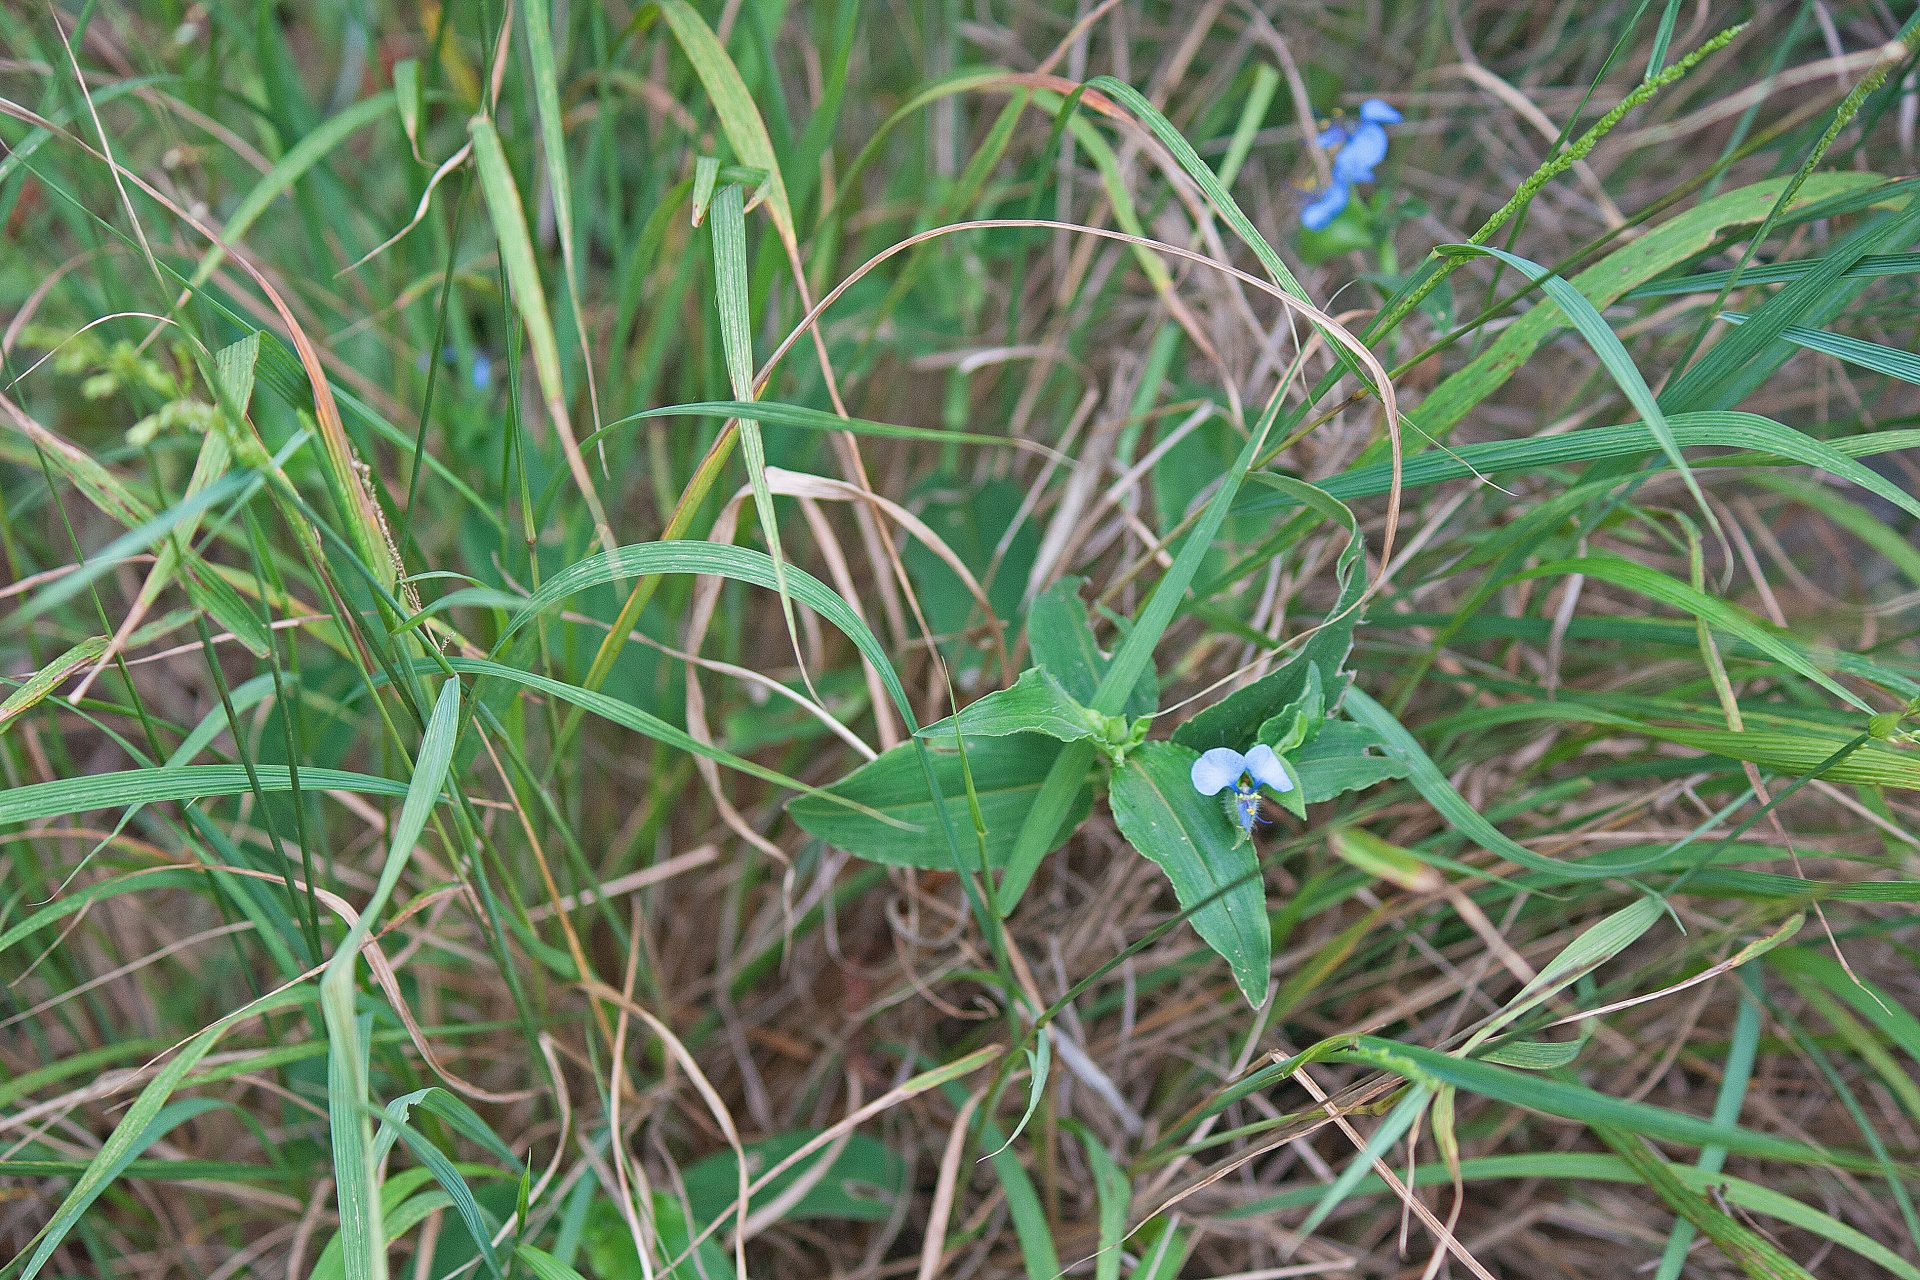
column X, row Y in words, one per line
column 1356, row 149
column 1223, row 767
column 482, row 374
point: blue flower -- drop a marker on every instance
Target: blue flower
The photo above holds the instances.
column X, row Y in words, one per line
column 1224, row 767
column 1356, row 148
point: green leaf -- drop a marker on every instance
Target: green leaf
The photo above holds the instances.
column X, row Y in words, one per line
column 406, row 96
column 400, row 1212
column 1438, row 792
column 739, row 118
column 774, row 413
column 1788, row 745
column 1196, row 168
column 1351, row 232
column 280, row 372
column 1874, row 264
column 1062, row 642
column 65, row 796
column 48, row 678
column 1591, row 1167
column 621, row 713
column 168, row 1118
column 79, row 899
column 1886, row 1011
column 610, row 1248
column 544, row 1265
column 735, row 307
column 1390, row 1131
column 1891, row 361
column 1590, row 1106
column 127, row 1138
column 1163, row 1250
column 1135, row 653
column 742, row 563
column 450, row 1108
column 1039, row 1063
column 1761, row 886
column 544, row 60
column 234, row 366
column 357, row 1174
column 1113, row 1193
column 287, row 170
column 1236, row 720
column 236, row 485
column 1734, row 1079
column 1193, row 840
column 1363, row 850
column 1035, row 704
column 213, row 593
column 1606, row 344
column 1718, row 614
column 1030, row 1227
column 1340, row 758
column 1748, row 355
column 1597, row 944
column 1535, row 1055
column 1007, row 773
column 1869, row 527
column 509, row 220
column 1685, row 236
column 1539, row 454
column 1751, row 1251
column 1300, row 721
column 479, row 1223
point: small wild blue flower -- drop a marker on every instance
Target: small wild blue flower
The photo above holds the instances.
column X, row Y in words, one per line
column 1223, row 767
column 1356, row 149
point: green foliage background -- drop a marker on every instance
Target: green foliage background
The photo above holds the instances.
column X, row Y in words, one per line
column 609, row 611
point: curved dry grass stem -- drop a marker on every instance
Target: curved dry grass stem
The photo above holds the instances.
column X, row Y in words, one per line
column 1326, row 324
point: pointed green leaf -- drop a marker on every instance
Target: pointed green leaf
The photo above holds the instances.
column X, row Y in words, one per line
column 1035, row 704
column 48, row 678
column 1236, row 720
column 1007, row 773
column 1342, row 757
column 1891, row 361
column 1606, row 344
column 1681, row 238
column 1062, row 642
column 1723, row 617
column 739, row 118
column 1193, row 840
column 357, row 1173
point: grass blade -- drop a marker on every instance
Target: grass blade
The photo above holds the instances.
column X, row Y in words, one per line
column 357, row 1190
column 1726, row 1110
column 523, row 273
column 1606, row 345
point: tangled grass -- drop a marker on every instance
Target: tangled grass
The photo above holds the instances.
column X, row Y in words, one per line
column 398, row 573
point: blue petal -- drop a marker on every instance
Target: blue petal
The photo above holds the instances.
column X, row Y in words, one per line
column 1376, row 111
column 482, row 372
column 1325, row 207
column 1354, row 162
column 1267, row 770
column 1332, row 136
column 1217, row 770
